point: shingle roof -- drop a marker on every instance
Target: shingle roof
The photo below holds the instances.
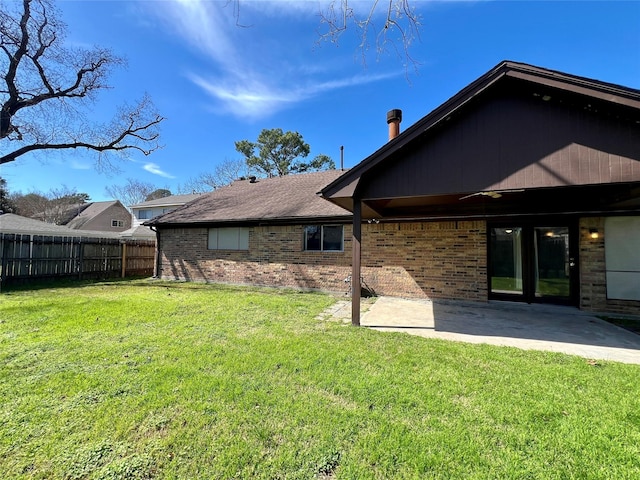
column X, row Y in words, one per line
column 140, row 232
column 280, row 199
column 168, row 201
column 90, row 212
column 11, row 223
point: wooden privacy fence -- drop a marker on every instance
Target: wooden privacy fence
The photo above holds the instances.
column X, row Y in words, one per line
column 35, row 257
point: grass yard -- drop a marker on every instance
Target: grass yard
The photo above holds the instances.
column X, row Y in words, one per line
column 145, row 379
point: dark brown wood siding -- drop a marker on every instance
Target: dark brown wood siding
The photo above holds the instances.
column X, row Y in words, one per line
column 513, row 141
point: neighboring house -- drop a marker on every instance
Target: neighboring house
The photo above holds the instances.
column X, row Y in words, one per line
column 109, row 216
column 145, row 211
column 15, row 224
column 524, row 186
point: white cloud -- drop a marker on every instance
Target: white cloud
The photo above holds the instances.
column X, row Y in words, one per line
column 76, row 165
column 258, row 100
column 252, row 77
column 156, row 170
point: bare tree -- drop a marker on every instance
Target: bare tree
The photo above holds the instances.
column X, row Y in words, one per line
column 379, row 24
column 30, row 204
column 223, row 174
column 56, row 206
column 46, row 88
column 131, row 193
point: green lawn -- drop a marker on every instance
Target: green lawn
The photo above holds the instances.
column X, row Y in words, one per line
column 554, row 287
column 147, row 379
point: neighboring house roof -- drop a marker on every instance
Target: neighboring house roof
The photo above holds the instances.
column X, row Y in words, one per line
column 624, row 101
column 138, row 233
column 91, row 211
column 288, row 199
column 61, row 214
column 11, row 223
column 170, row 201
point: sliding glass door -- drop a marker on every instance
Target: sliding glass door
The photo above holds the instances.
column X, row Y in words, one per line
column 506, row 256
column 532, row 263
column 552, row 262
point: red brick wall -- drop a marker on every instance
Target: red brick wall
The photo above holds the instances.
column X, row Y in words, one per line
column 593, row 279
column 428, row 260
column 275, row 258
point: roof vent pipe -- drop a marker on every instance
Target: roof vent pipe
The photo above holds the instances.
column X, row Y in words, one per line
column 252, row 179
column 394, row 117
column 341, row 157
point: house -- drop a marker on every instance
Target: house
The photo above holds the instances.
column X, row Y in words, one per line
column 145, row 211
column 142, row 212
column 109, row 216
column 524, row 186
column 273, row 231
column 16, row 224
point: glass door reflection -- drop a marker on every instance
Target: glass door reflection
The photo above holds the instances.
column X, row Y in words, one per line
column 552, row 262
column 506, row 260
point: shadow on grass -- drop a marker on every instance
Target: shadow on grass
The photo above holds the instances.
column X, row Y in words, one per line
column 69, row 283
column 146, row 282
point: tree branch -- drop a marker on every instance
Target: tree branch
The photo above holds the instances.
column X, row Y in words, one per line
column 113, row 145
column 40, row 69
column 398, row 17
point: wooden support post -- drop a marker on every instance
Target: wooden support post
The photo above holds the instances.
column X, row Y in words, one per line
column 355, row 262
column 124, row 259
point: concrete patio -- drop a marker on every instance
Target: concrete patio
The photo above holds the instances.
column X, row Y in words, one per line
column 531, row 327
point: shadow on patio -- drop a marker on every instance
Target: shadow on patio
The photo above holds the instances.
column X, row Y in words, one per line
column 539, row 327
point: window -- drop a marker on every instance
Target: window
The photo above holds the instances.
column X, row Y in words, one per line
column 232, row 238
column 117, row 223
column 324, row 238
column 144, row 214
column 622, row 257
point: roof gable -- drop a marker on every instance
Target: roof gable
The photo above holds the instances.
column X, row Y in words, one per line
column 623, row 102
column 90, row 212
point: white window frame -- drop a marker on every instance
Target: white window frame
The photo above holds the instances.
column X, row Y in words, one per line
column 322, row 249
column 117, row 223
column 228, row 238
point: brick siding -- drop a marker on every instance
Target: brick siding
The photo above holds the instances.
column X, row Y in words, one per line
column 420, row 260
column 428, row 260
column 593, row 275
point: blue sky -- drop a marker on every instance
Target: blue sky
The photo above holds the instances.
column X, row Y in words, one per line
column 217, row 82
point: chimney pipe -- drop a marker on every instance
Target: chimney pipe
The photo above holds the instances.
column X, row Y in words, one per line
column 394, row 117
column 341, row 157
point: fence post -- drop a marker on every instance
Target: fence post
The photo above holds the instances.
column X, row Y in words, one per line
column 124, row 258
column 3, row 259
column 80, row 257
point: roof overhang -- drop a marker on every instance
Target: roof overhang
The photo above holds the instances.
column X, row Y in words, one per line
column 252, row 222
column 343, row 190
column 619, row 198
